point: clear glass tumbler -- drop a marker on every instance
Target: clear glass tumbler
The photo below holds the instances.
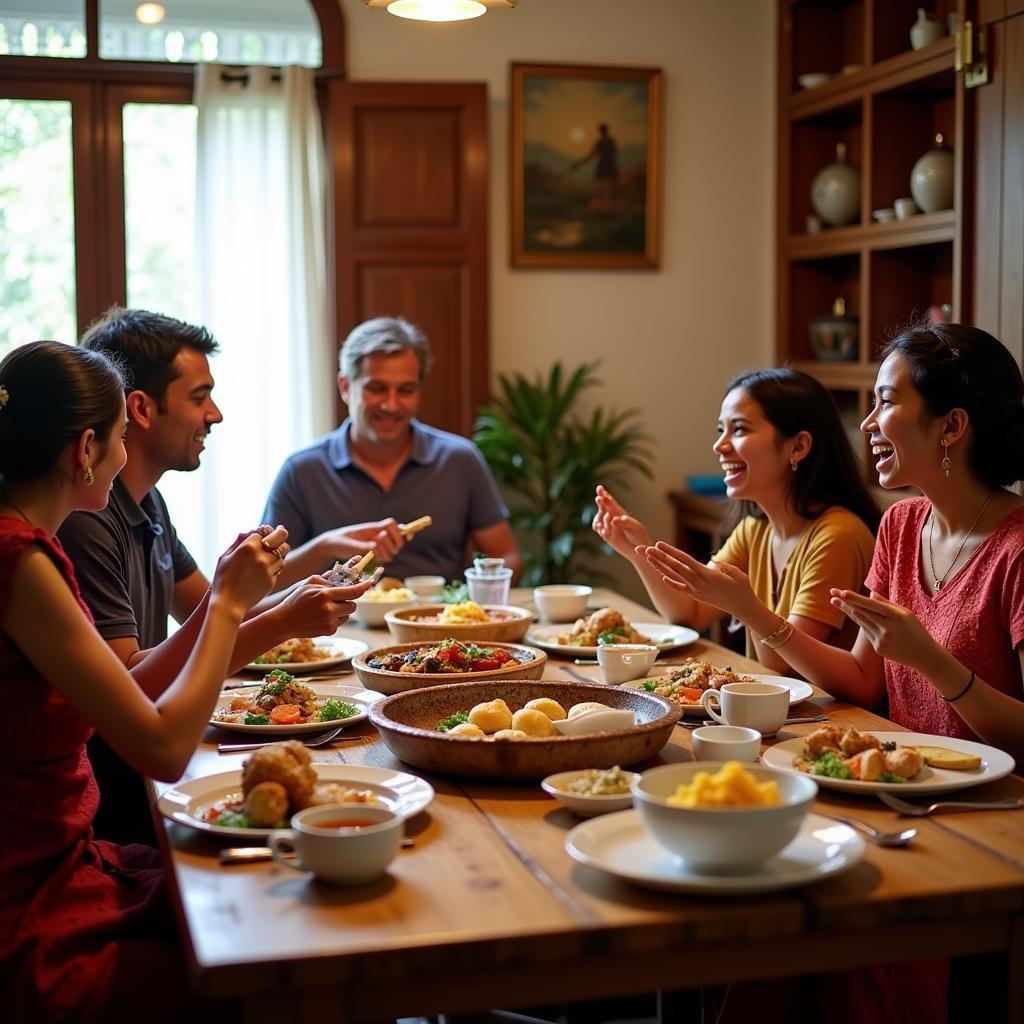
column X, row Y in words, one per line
column 489, row 581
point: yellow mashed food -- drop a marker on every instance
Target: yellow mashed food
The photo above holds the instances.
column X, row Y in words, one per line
column 387, row 596
column 731, row 786
column 463, row 613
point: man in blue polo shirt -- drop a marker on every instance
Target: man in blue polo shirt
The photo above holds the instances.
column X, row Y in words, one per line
column 383, row 465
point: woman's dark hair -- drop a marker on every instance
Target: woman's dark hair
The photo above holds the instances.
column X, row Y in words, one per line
column 52, row 392
column 145, row 345
column 829, row 474
column 954, row 366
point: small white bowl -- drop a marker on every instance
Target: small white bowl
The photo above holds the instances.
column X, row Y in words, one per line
column 562, row 602
column 425, row 586
column 725, row 743
column 721, row 839
column 622, row 662
column 586, row 806
column 371, row 613
column 813, row 79
column 884, row 216
column 905, row 207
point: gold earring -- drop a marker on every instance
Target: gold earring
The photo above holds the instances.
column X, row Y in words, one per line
column 946, row 464
column 793, row 464
column 87, row 476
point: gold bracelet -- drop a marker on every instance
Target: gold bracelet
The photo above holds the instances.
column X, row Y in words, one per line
column 780, row 636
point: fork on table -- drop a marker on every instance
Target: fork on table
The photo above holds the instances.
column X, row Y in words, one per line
column 907, row 809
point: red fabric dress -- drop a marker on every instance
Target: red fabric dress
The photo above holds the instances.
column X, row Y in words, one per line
column 76, row 915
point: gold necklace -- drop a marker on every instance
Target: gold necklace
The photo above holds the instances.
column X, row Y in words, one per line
column 938, row 581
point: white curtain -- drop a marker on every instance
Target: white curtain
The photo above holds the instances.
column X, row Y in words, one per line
column 262, row 287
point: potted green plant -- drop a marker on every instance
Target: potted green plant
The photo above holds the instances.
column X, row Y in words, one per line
column 549, row 456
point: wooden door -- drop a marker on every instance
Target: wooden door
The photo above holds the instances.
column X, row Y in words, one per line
column 410, row 225
column 998, row 232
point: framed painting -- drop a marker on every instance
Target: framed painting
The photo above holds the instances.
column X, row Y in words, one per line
column 586, row 160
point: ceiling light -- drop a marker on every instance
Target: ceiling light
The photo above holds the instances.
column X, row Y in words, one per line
column 150, row 14
column 437, row 10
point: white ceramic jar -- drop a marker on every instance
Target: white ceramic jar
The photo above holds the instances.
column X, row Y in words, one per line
column 835, row 191
column 931, row 180
column 925, row 30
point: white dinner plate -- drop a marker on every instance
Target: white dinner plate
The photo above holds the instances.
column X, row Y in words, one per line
column 354, row 695
column 994, row 765
column 665, row 638
column 799, row 689
column 342, row 649
column 620, row 845
column 188, row 802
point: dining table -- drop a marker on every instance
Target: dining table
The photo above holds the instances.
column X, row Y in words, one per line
column 487, row 909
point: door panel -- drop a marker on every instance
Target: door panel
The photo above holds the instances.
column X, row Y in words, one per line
column 410, row 226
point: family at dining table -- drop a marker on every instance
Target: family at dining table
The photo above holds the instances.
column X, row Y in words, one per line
column 929, row 615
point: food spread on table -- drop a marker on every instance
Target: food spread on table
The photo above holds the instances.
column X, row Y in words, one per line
column 448, row 656
column 277, row 781
column 605, row 626
column 731, row 786
column 846, row 753
column 299, row 650
column 687, row 682
column 494, row 719
column 281, row 700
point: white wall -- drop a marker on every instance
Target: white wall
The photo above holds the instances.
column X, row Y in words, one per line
column 668, row 339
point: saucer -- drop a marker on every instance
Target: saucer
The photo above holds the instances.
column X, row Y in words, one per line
column 619, row 845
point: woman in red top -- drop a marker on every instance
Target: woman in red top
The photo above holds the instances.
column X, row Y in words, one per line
column 84, row 935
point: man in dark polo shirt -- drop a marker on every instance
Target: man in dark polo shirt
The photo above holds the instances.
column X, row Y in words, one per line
column 131, row 567
column 383, row 464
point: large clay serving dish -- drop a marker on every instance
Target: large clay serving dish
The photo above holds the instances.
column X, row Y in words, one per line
column 409, row 625
column 408, row 721
column 529, row 664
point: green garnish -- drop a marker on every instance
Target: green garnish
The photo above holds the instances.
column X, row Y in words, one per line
column 649, row 685
column 454, row 593
column 251, row 719
column 335, row 709
column 611, row 636
column 891, row 777
column 831, row 766
column 233, row 819
column 452, row 720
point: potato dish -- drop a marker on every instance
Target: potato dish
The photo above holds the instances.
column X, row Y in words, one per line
column 840, row 753
column 731, row 786
column 494, row 719
column 605, row 626
column 379, row 595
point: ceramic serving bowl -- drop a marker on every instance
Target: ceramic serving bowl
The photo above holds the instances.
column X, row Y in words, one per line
column 562, row 602
column 527, row 663
column 721, row 839
column 371, row 613
column 425, row 587
column 582, row 804
column 408, row 725
column 419, row 624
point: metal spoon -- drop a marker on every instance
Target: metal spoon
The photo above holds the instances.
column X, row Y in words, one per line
column 320, row 740
column 882, row 838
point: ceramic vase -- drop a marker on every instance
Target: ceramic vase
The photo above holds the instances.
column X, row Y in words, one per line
column 925, row 30
column 835, row 337
column 931, row 180
column 835, row 191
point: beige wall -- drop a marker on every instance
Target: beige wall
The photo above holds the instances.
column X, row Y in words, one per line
column 668, row 339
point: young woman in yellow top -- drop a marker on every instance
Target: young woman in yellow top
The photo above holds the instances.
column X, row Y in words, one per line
column 806, row 519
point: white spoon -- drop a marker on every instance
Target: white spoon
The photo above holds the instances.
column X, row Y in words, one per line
column 598, row 720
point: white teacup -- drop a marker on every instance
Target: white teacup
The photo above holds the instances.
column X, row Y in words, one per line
column 622, row 662
column 725, row 743
column 343, row 844
column 905, row 207
column 754, row 705
column 425, row 586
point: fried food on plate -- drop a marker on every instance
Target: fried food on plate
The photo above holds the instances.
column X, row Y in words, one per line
column 287, row 764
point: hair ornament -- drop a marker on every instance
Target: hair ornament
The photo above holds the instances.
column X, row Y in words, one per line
column 5, row 396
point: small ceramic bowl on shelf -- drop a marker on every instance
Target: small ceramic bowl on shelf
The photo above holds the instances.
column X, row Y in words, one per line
column 814, row 79
column 905, row 207
column 884, row 216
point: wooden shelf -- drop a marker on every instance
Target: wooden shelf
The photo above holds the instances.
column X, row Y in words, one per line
column 918, row 230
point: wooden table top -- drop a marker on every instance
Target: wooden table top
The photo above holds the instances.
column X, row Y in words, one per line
column 488, row 909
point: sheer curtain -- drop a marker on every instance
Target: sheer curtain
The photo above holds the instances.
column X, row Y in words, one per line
column 262, row 287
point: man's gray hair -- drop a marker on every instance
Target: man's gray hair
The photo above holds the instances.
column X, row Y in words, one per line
column 384, row 335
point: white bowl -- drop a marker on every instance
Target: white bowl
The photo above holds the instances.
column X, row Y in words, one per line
column 813, row 79
column 721, row 839
column 425, row 586
column 884, row 216
column 622, row 662
column 562, row 602
column 586, row 806
column 725, row 743
column 371, row 613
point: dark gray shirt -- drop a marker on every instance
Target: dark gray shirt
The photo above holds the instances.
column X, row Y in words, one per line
column 127, row 559
column 445, row 477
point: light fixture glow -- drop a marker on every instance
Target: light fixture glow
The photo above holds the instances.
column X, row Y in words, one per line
column 437, row 10
column 150, row 14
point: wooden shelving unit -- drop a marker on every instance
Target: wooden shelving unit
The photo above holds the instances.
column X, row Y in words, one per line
column 886, row 107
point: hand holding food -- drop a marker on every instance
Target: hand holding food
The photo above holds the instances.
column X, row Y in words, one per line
column 408, row 530
column 246, row 571
column 350, row 573
column 383, row 538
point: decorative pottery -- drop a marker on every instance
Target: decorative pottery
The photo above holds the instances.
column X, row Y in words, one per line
column 925, row 31
column 834, row 337
column 931, row 180
column 835, row 191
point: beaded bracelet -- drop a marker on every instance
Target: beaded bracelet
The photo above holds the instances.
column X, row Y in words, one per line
column 780, row 636
column 951, row 700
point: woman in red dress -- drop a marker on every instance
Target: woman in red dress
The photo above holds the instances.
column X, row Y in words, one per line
column 84, row 931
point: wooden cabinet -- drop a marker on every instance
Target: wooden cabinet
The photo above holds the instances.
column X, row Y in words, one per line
column 885, row 102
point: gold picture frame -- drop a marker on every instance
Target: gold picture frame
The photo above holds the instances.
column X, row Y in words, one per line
column 585, row 166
